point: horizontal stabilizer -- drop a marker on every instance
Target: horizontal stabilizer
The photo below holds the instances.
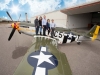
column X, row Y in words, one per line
column 93, row 32
column 96, row 33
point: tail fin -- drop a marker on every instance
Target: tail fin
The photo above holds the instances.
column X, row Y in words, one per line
column 93, row 32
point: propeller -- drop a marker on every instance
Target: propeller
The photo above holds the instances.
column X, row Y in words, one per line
column 11, row 34
column 14, row 26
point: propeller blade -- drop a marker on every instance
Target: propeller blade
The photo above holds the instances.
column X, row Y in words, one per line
column 11, row 34
column 9, row 15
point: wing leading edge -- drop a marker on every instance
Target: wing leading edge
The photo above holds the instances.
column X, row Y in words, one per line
column 43, row 58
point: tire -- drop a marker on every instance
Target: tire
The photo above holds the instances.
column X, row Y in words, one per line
column 78, row 43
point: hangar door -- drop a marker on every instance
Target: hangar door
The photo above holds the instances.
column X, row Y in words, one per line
column 83, row 16
column 96, row 17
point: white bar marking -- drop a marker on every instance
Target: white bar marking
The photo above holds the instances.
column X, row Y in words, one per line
column 43, row 49
column 40, row 71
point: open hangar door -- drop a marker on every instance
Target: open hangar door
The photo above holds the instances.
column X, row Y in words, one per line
column 78, row 20
column 82, row 16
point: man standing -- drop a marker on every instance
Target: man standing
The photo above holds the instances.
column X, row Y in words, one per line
column 40, row 25
column 44, row 25
column 52, row 27
column 36, row 22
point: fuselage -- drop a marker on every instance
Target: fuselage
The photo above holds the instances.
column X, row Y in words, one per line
column 66, row 37
column 61, row 36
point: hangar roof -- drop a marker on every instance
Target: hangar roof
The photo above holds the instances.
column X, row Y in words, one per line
column 86, row 8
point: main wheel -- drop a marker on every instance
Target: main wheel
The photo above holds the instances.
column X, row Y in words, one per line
column 78, row 43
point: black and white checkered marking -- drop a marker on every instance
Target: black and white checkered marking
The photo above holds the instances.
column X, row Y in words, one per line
column 66, row 37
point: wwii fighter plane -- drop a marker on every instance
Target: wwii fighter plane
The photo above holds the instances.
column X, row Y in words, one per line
column 63, row 35
column 43, row 57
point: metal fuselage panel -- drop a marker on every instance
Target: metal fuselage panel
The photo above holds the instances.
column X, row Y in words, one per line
column 28, row 31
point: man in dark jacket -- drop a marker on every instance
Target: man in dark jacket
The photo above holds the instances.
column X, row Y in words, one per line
column 36, row 22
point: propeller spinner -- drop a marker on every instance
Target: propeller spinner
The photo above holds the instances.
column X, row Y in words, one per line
column 14, row 26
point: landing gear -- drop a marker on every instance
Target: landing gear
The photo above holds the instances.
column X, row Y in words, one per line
column 19, row 32
column 78, row 43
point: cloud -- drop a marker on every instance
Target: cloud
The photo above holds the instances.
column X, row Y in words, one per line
column 70, row 3
column 4, row 17
column 4, row 3
column 91, row 0
column 41, row 6
column 37, row 7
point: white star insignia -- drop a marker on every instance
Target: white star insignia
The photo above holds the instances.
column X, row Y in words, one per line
column 42, row 57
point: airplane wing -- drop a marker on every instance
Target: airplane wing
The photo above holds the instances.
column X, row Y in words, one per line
column 43, row 58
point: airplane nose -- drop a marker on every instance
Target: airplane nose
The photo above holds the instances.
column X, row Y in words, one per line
column 16, row 26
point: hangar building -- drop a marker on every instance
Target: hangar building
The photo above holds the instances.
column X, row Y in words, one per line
column 85, row 15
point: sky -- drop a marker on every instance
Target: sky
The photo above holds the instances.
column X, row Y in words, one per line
column 34, row 7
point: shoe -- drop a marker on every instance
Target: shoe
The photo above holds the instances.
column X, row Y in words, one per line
column 40, row 33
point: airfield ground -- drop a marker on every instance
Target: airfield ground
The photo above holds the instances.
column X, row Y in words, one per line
column 84, row 59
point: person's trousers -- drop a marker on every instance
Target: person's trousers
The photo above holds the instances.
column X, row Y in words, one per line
column 52, row 32
column 40, row 28
column 48, row 30
column 37, row 29
column 44, row 30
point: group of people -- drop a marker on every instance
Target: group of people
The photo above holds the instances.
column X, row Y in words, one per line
column 45, row 25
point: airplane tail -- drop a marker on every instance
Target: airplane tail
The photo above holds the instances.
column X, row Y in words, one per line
column 93, row 32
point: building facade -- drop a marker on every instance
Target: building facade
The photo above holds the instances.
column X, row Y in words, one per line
column 76, row 17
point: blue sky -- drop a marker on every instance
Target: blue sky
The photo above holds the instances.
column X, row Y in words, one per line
column 34, row 7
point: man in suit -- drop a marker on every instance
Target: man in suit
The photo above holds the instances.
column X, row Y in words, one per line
column 36, row 22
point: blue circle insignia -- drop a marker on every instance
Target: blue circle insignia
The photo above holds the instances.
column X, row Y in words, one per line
column 42, row 58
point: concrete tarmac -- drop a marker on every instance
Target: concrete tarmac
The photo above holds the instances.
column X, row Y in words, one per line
column 84, row 59
column 12, row 52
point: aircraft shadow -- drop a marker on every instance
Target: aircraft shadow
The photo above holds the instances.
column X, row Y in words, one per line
column 19, row 51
